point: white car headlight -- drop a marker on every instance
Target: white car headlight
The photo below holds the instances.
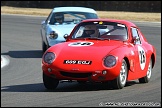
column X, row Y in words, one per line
column 53, row 35
column 49, row 57
column 110, row 61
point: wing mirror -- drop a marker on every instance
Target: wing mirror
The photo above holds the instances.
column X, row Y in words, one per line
column 66, row 36
column 43, row 22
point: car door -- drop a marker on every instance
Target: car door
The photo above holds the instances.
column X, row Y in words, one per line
column 140, row 52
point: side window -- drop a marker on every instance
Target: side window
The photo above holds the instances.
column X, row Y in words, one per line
column 79, row 32
column 135, row 34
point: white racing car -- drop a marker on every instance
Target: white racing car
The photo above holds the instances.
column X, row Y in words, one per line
column 61, row 21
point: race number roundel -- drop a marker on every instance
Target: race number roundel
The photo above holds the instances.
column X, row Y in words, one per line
column 142, row 57
column 78, row 44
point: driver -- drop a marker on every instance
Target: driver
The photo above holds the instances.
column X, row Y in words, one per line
column 90, row 31
column 59, row 19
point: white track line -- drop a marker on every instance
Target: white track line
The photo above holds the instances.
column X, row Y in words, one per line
column 4, row 61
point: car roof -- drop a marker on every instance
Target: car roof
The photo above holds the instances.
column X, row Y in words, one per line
column 125, row 22
column 74, row 9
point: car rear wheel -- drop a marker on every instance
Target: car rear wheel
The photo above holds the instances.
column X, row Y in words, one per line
column 120, row 81
column 49, row 82
column 146, row 79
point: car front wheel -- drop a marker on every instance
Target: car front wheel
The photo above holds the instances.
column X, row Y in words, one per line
column 49, row 82
column 146, row 79
column 44, row 46
column 120, row 81
column 81, row 82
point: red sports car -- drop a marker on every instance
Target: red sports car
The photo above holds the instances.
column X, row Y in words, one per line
column 100, row 50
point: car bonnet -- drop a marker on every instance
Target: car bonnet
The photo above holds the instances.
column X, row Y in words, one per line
column 84, row 49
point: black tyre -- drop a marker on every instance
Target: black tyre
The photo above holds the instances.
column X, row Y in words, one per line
column 81, row 82
column 44, row 46
column 121, row 80
column 49, row 82
column 146, row 79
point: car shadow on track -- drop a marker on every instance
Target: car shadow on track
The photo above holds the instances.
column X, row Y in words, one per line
column 24, row 54
column 62, row 87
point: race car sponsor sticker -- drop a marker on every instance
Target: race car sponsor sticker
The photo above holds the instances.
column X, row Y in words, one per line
column 84, row 62
column 78, row 44
column 142, row 57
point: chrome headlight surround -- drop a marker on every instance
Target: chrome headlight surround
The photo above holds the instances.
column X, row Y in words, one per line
column 109, row 61
column 53, row 35
column 49, row 57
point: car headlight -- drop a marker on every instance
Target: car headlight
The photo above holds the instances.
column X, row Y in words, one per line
column 49, row 57
column 110, row 61
column 53, row 35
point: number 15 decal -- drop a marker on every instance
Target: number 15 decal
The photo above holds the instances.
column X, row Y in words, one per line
column 142, row 57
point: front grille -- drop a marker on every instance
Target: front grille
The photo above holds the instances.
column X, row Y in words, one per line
column 76, row 75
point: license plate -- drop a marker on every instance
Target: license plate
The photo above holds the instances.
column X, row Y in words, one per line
column 84, row 62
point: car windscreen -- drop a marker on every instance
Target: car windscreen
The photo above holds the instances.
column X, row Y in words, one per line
column 71, row 17
column 101, row 30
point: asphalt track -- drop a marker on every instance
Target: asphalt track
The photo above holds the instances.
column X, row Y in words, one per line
column 21, row 79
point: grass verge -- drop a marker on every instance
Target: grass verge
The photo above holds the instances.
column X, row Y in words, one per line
column 133, row 16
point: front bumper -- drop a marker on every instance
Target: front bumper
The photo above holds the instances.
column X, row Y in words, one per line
column 93, row 76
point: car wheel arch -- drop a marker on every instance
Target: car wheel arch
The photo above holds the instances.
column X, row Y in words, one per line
column 128, row 63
